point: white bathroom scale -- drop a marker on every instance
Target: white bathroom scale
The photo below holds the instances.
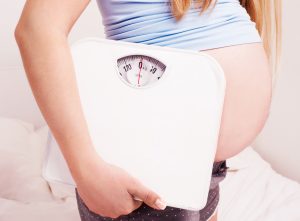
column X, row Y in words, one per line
column 154, row 111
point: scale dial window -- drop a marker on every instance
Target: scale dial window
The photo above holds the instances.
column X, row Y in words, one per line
column 140, row 70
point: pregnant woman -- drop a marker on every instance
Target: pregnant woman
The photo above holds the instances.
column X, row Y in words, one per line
column 242, row 36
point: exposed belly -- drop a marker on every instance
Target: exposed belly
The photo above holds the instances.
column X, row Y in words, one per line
column 247, row 99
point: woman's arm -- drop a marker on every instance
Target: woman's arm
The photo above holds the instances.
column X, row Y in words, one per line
column 42, row 37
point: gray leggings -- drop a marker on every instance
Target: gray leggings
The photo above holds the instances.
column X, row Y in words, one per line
column 147, row 213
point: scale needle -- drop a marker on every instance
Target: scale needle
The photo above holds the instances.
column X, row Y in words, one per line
column 140, row 71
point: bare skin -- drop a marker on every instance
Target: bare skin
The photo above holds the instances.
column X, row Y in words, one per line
column 42, row 36
column 248, row 96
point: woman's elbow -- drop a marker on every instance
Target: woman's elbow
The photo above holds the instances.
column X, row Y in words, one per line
column 19, row 32
column 34, row 31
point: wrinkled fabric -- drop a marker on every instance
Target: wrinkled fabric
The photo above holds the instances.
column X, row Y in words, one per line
column 152, row 22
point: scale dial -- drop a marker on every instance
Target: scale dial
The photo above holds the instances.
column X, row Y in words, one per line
column 140, row 70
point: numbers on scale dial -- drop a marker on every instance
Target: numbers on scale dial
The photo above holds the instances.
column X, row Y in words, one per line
column 140, row 70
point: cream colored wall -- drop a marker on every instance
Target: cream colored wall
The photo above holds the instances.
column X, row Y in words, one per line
column 279, row 141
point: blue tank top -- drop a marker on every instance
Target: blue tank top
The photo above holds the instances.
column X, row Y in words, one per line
column 152, row 22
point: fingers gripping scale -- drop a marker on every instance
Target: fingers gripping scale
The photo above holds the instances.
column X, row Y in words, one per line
column 153, row 111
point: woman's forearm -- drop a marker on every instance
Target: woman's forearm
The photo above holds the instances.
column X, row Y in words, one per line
column 50, row 71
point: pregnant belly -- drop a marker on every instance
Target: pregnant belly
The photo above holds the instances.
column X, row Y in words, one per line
column 247, row 98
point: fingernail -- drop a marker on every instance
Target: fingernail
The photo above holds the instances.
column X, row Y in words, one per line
column 160, row 204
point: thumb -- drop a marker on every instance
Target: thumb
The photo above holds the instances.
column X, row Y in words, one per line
column 141, row 192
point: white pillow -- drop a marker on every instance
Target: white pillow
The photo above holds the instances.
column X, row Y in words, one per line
column 21, row 154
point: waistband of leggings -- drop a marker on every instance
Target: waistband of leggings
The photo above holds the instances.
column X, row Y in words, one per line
column 219, row 167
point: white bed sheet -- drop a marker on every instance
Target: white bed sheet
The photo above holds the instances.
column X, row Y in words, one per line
column 255, row 192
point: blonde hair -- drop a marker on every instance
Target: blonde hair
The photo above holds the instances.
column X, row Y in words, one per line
column 265, row 13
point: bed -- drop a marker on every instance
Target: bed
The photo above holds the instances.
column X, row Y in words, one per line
column 252, row 190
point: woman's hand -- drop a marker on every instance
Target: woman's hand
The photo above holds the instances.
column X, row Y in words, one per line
column 108, row 190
